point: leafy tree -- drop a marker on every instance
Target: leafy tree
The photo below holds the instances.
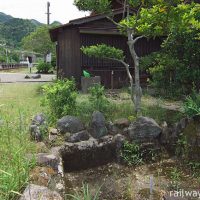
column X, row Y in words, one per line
column 176, row 69
column 151, row 18
column 39, row 41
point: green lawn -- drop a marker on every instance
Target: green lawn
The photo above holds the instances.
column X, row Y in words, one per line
column 18, row 103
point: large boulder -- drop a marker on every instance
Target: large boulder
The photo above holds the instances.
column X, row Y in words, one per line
column 144, row 129
column 36, row 192
column 98, row 125
column 69, row 124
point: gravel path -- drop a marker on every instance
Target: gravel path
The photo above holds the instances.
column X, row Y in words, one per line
column 19, row 77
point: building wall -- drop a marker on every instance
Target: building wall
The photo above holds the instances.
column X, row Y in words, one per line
column 69, row 53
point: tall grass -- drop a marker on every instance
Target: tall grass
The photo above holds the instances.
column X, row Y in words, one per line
column 18, row 103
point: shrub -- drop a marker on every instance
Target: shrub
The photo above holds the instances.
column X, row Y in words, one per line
column 98, row 99
column 60, row 96
column 95, row 101
column 44, row 67
column 131, row 154
column 192, row 104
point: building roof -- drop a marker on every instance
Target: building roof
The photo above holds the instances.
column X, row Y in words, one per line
column 77, row 22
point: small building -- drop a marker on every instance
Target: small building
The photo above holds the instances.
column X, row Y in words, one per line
column 91, row 30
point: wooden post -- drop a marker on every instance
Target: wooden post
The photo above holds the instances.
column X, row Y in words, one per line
column 48, row 13
column 112, row 79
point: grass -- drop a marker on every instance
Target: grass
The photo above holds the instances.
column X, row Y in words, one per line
column 18, row 103
column 122, row 107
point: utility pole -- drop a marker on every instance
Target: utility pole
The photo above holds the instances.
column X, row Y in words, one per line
column 48, row 13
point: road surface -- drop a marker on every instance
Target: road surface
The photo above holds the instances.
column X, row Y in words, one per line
column 20, row 77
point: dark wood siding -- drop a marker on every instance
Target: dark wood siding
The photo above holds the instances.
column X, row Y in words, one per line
column 69, row 53
column 105, row 68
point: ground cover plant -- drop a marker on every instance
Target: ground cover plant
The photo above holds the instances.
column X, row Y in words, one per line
column 18, row 104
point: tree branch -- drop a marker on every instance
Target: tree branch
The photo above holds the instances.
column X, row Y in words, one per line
column 114, row 22
column 137, row 38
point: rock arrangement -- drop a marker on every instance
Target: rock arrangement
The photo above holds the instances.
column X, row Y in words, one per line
column 71, row 146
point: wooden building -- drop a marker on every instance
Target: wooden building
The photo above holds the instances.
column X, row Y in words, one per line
column 96, row 29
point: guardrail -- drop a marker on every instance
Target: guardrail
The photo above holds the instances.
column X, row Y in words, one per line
column 11, row 66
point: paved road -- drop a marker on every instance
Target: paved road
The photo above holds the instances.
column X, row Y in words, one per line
column 19, row 77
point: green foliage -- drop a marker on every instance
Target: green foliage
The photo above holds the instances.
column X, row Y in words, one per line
column 85, row 194
column 99, row 6
column 15, row 29
column 96, row 101
column 60, row 97
column 195, row 168
column 39, row 41
column 182, row 147
column 103, row 51
column 97, row 98
column 131, row 154
column 175, row 176
column 44, row 67
column 192, row 105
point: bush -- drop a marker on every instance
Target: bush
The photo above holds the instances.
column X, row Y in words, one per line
column 175, row 69
column 44, row 67
column 98, row 99
column 61, row 97
column 192, row 104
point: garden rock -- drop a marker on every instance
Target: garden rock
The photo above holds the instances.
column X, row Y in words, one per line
column 87, row 154
column 39, row 120
column 27, row 77
column 98, row 125
column 52, row 138
column 55, row 151
column 144, row 129
column 36, row 192
column 35, row 133
column 80, row 136
column 69, row 124
column 45, row 159
column 41, row 147
column 112, row 129
column 53, row 131
column 122, row 123
column 36, row 76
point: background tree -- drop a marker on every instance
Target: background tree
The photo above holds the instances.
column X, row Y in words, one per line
column 149, row 19
column 39, row 41
column 175, row 70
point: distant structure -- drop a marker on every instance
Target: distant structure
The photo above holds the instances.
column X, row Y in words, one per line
column 48, row 13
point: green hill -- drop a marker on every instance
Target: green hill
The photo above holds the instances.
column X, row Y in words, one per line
column 4, row 18
column 12, row 30
column 15, row 29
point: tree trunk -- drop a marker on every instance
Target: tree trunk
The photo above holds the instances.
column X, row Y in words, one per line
column 138, row 90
